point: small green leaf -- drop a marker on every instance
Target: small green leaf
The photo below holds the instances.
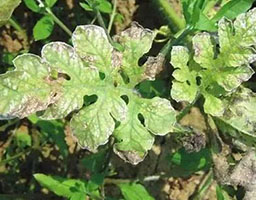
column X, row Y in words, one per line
column 232, row 9
column 94, row 162
column 184, row 163
column 43, row 28
column 134, row 191
column 185, row 87
column 32, row 5
column 50, row 3
column 104, row 6
column 55, row 132
column 85, row 6
column 62, row 186
column 6, row 9
column 23, row 138
column 221, row 194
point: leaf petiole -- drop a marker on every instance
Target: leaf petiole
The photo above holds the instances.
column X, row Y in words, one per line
column 55, row 18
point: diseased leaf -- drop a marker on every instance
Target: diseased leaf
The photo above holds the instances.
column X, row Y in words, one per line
column 211, row 73
column 98, row 51
column 27, row 89
column 133, row 140
column 240, row 115
column 92, row 68
column 132, row 39
column 236, row 42
column 97, row 121
column 65, row 60
column 6, row 9
column 185, row 87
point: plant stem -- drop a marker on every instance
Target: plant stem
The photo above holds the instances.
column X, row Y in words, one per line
column 204, row 186
column 187, row 108
column 102, row 24
column 117, row 181
column 9, row 123
column 20, row 32
column 15, row 25
column 167, row 48
column 14, row 157
column 112, row 17
column 55, row 18
column 59, row 22
column 168, row 9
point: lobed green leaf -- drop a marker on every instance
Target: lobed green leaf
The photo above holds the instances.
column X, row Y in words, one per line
column 218, row 73
column 57, row 83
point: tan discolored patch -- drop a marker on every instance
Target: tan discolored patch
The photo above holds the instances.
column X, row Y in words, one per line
column 154, row 66
column 129, row 156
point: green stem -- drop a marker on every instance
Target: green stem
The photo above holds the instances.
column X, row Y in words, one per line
column 187, row 108
column 204, row 186
column 59, row 22
column 117, row 181
column 15, row 25
column 168, row 9
column 102, row 24
column 21, row 32
column 55, row 18
column 167, row 48
column 112, row 17
column 9, row 123
column 145, row 179
column 14, row 157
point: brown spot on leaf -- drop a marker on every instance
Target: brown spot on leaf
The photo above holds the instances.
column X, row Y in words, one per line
column 32, row 105
column 117, row 58
column 153, row 67
column 135, row 32
column 130, row 156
